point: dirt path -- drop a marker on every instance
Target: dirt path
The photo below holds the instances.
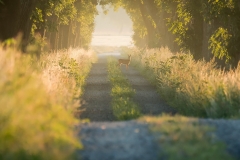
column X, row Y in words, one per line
column 131, row 140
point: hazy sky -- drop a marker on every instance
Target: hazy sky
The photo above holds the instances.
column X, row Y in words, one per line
column 114, row 23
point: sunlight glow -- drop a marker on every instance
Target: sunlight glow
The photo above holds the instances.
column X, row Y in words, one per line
column 112, row 29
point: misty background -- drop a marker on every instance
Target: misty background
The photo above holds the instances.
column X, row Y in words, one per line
column 113, row 23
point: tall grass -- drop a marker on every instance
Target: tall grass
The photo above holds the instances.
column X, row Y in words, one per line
column 64, row 73
column 194, row 88
column 124, row 108
column 37, row 98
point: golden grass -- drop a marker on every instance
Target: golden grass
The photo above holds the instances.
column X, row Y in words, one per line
column 66, row 71
column 37, row 99
column 194, row 88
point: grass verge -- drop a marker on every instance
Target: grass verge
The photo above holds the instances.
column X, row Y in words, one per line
column 193, row 88
column 183, row 138
column 38, row 98
column 123, row 106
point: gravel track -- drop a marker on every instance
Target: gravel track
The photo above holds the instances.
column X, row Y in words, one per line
column 131, row 140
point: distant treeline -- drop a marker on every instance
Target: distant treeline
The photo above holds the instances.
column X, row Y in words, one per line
column 60, row 23
column 205, row 28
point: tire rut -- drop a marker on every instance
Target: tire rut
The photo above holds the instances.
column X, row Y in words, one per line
column 96, row 101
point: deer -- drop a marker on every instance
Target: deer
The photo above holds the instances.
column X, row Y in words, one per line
column 124, row 61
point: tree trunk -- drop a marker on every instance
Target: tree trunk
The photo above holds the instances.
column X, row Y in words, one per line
column 206, row 35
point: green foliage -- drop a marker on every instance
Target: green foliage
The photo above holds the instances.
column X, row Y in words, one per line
column 123, row 106
column 85, row 17
column 219, row 43
column 63, row 9
column 223, row 18
column 194, row 88
column 180, row 25
column 72, row 68
column 184, row 138
column 64, row 19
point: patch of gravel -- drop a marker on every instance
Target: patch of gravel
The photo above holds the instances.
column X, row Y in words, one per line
column 129, row 140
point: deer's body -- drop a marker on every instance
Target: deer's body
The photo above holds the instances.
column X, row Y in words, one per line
column 125, row 61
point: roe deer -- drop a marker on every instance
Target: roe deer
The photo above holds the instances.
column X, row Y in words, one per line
column 125, row 61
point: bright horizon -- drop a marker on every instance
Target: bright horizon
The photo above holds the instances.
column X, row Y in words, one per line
column 112, row 40
column 114, row 23
column 112, row 29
